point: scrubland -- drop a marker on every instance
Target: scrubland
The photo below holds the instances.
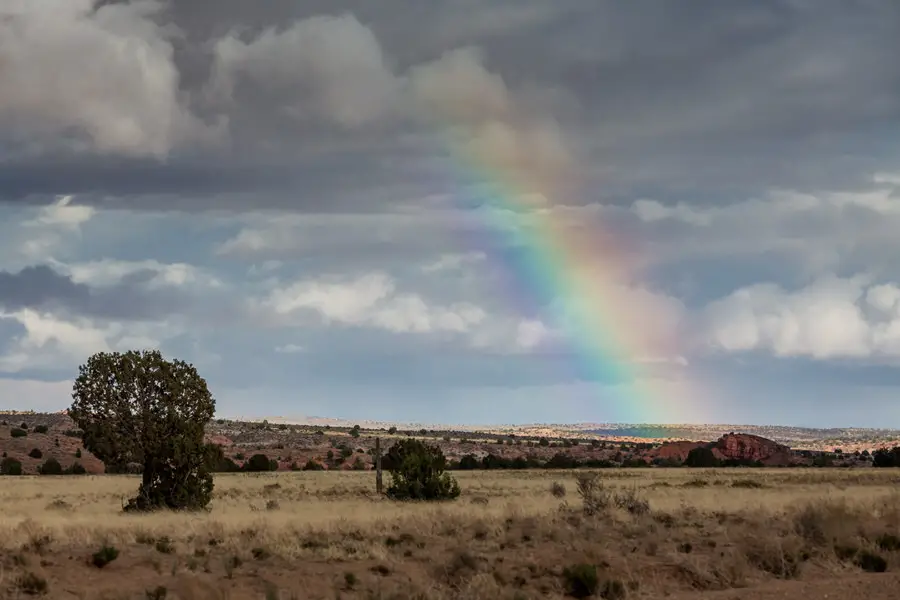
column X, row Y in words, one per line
column 646, row 533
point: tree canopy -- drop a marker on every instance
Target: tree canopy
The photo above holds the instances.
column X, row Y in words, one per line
column 138, row 407
column 418, row 472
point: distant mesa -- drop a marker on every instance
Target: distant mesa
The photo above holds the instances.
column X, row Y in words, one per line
column 743, row 447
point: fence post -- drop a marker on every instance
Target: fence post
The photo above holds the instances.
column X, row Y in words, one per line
column 378, row 481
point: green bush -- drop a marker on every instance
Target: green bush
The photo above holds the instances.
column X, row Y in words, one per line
column 257, row 463
column 10, row 466
column 36, row 453
column 17, row 433
column 40, row 429
column 76, row 469
column 51, row 466
column 104, row 556
column 581, row 581
column 701, row 457
column 312, row 465
column 418, row 472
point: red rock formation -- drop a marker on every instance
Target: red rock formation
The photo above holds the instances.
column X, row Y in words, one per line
column 743, row 446
column 736, row 446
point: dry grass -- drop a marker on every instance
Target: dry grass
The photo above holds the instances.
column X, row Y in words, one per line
column 318, row 535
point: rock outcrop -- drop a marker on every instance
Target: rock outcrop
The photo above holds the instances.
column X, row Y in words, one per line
column 734, row 446
column 743, row 446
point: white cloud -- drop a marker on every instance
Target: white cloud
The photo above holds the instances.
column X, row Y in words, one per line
column 63, row 214
column 452, row 262
column 106, row 73
column 830, row 318
column 50, row 341
column 108, row 271
column 368, row 301
column 651, row 210
column 530, row 333
column 36, row 235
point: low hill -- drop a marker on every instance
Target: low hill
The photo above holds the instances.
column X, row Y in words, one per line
column 292, row 446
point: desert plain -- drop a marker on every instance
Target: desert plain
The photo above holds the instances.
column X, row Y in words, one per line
column 649, row 533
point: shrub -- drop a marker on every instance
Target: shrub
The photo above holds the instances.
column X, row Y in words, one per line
column 17, row 433
column 613, row 589
column 418, row 472
column 257, row 463
column 36, row 453
column 581, row 581
column 10, row 466
column 594, row 497
column 468, row 462
column 871, row 562
column 40, row 429
column 884, row 457
column 888, row 542
column 558, row 490
column 701, row 457
column 76, row 469
column 51, row 467
column 164, row 545
column 631, row 501
column 217, row 462
column 31, row 583
column 312, row 465
column 104, row 556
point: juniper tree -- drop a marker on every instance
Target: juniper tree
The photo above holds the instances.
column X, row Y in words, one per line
column 137, row 407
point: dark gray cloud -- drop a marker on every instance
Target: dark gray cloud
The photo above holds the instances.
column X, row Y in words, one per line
column 41, row 287
column 306, row 105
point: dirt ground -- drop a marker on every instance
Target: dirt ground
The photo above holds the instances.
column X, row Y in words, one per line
column 882, row 586
column 675, row 533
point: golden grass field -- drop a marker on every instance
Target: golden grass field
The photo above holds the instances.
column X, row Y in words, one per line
column 327, row 535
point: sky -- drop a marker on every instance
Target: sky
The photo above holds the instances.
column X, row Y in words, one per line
column 461, row 212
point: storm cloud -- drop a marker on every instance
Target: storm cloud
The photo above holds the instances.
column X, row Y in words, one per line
column 280, row 102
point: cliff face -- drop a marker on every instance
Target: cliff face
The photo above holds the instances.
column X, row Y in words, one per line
column 743, row 446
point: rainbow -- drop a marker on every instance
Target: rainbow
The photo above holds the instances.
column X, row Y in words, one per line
column 575, row 276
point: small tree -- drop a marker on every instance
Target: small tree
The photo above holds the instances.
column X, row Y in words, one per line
column 76, row 469
column 51, row 466
column 418, row 472
column 10, row 466
column 257, row 463
column 701, row 457
column 36, row 453
column 139, row 408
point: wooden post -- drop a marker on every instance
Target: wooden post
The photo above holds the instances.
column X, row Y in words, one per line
column 378, row 483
